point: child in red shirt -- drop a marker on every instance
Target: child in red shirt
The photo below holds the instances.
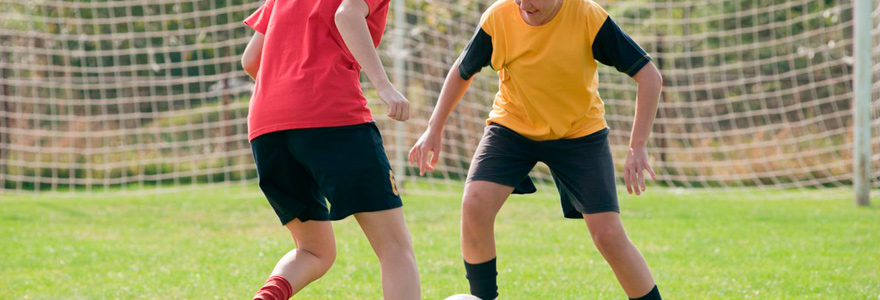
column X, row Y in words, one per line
column 313, row 137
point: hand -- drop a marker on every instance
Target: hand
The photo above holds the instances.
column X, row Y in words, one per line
column 429, row 142
column 636, row 163
column 398, row 106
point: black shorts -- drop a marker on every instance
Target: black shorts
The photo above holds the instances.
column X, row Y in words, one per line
column 347, row 165
column 581, row 167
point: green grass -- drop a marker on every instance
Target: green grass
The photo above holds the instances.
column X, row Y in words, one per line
column 221, row 243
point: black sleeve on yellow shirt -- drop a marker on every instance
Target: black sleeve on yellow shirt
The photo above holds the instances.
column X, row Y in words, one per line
column 615, row 48
column 477, row 54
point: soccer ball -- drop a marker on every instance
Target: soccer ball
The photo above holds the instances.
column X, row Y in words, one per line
column 462, row 297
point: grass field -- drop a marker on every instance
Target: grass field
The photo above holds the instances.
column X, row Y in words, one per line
column 220, row 243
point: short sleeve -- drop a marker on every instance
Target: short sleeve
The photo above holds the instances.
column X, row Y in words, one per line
column 377, row 5
column 476, row 55
column 615, row 48
column 259, row 20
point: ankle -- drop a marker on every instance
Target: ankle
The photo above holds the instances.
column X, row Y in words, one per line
column 482, row 278
column 275, row 288
column 654, row 294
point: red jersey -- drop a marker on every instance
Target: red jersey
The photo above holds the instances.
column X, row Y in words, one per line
column 307, row 76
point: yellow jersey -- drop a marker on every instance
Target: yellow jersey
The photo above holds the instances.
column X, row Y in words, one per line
column 548, row 79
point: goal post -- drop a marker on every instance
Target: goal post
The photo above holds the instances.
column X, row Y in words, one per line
column 862, row 97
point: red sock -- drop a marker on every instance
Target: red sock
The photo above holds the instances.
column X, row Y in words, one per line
column 276, row 288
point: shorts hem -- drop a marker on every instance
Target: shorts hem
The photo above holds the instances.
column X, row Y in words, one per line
column 371, row 208
column 492, row 180
column 576, row 214
column 286, row 219
column 290, row 217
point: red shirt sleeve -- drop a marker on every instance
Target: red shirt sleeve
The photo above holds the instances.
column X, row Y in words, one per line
column 259, row 20
column 378, row 6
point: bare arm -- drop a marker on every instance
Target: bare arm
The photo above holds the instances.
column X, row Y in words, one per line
column 250, row 60
column 453, row 89
column 431, row 141
column 352, row 24
column 650, row 83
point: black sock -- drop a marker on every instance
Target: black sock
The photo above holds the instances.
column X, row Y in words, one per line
column 654, row 294
column 481, row 277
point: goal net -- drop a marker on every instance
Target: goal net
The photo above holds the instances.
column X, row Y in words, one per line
column 144, row 95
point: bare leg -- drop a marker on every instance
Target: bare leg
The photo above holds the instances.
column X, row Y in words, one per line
column 627, row 263
column 392, row 243
column 314, row 254
column 481, row 203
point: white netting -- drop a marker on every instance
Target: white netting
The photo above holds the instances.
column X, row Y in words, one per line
column 133, row 95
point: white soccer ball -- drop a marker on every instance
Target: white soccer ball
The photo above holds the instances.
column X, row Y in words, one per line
column 462, row 297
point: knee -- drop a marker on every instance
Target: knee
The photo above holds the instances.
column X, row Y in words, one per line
column 326, row 263
column 609, row 239
column 325, row 254
column 329, row 258
column 395, row 248
column 474, row 209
